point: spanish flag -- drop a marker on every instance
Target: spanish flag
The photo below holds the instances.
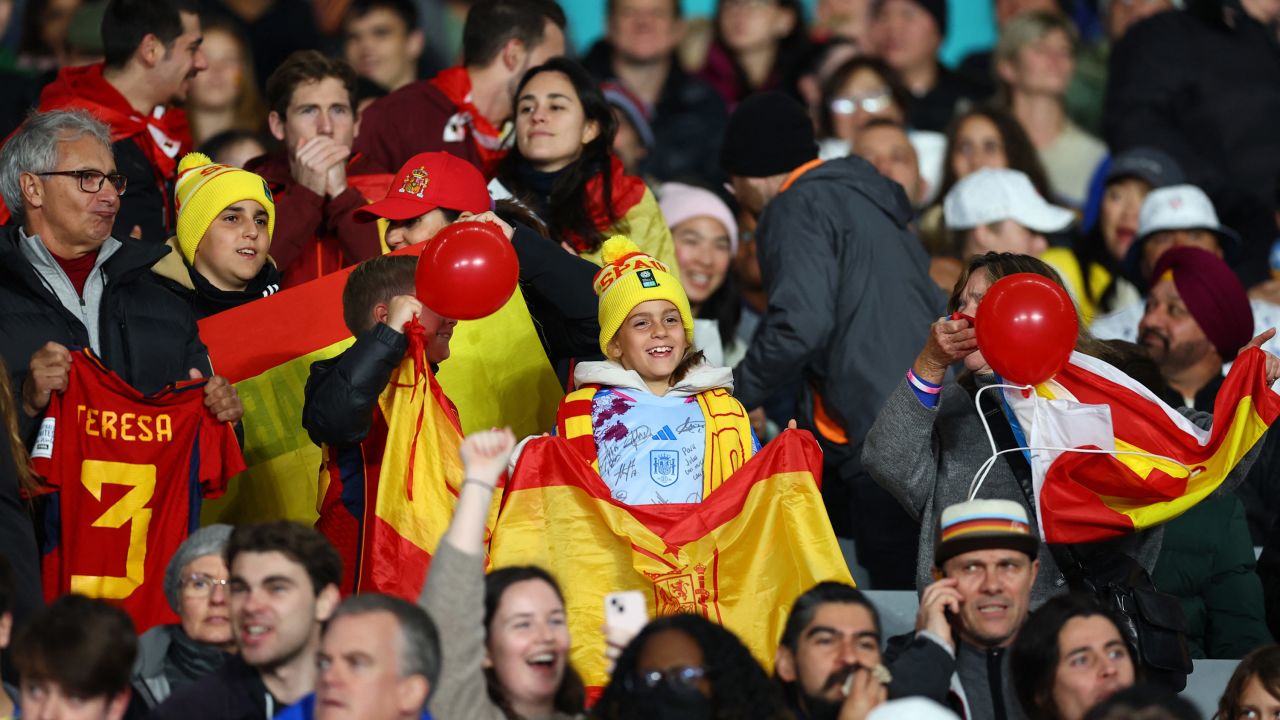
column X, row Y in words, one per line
column 497, row 374
column 739, row 558
column 1090, row 405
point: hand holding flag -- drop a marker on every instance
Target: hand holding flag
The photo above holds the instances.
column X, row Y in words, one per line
column 1273, row 362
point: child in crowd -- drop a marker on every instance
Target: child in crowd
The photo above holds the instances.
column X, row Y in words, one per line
column 657, row 422
column 225, row 220
column 348, row 401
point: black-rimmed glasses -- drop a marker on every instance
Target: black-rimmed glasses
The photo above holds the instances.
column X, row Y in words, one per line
column 91, row 181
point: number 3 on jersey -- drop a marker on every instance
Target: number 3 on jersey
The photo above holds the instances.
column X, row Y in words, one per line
column 130, row 509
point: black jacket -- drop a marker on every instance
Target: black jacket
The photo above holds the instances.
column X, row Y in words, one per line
column 688, row 123
column 148, row 337
column 341, row 391
column 1204, row 86
column 850, row 299
column 181, row 279
column 232, row 692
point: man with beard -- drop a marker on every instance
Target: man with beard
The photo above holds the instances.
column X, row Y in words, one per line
column 284, row 587
column 832, row 633
column 985, row 562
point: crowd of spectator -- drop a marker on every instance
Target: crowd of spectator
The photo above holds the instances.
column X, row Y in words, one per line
column 782, row 217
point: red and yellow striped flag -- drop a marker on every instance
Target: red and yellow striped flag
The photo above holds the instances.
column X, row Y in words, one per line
column 1092, row 405
column 497, row 374
column 739, row 558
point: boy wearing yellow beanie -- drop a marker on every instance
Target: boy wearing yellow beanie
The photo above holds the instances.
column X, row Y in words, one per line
column 225, row 219
column 655, row 420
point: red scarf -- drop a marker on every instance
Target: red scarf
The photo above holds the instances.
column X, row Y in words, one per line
column 489, row 140
column 164, row 139
column 626, row 191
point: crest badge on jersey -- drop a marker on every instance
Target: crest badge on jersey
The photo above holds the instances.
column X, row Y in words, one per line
column 664, row 466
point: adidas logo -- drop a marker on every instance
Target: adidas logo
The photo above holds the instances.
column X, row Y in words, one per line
column 665, row 434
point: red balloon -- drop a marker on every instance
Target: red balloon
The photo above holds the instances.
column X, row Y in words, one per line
column 1026, row 327
column 468, row 270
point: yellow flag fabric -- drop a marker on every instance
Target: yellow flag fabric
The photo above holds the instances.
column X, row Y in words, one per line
column 740, row 558
column 497, row 374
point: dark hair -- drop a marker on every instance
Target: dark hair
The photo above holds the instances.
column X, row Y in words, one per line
column 306, row 66
column 1034, row 657
column 571, row 695
column 1018, row 149
column 84, row 645
column 126, row 23
column 218, row 144
column 807, row 604
column 1264, row 664
column 492, row 23
column 406, row 10
column 419, row 639
column 611, row 7
column 375, row 281
column 840, row 77
column 1143, row 702
column 300, row 543
column 568, row 211
column 740, row 688
column 790, row 53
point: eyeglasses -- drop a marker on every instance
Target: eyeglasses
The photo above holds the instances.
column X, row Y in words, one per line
column 676, row 676
column 198, row 585
column 870, row 103
column 91, row 181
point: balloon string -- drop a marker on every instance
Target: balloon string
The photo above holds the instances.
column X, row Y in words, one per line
column 985, row 469
column 416, row 335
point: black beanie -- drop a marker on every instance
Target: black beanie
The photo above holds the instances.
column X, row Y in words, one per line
column 768, row 134
column 937, row 9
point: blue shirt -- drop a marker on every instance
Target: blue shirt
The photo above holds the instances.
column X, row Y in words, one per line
column 650, row 448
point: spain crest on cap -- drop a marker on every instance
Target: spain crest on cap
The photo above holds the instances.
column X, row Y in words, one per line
column 415, row 183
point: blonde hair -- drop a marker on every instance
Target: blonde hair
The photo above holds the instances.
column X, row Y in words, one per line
column 1020, row 32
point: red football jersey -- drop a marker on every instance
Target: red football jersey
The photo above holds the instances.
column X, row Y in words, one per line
column 129, row 471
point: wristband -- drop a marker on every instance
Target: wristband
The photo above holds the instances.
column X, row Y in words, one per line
column 477, row 483
column 923, row 386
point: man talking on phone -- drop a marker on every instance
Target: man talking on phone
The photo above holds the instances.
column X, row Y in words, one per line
column 985, row 562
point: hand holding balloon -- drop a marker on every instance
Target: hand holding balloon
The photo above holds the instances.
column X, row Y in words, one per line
column 468, row 270
column 1026, row 328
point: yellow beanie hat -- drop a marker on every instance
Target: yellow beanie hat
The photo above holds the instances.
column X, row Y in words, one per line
column 205, row 189
column 628, row 278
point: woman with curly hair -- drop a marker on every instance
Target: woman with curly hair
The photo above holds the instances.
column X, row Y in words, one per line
column 685, row 666
column 1254, row 688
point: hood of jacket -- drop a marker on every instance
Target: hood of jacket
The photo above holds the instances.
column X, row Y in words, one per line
column 702, row 376
column 856, row 174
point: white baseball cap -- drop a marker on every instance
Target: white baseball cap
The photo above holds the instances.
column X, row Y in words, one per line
column 991, row 195
column 1178, row 207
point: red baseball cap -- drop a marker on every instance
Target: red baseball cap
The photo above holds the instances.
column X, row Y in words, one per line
column 428, row 181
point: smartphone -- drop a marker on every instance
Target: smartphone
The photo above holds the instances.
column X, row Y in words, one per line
column 626, row 611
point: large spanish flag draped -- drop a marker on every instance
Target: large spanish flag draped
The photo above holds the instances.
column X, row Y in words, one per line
column 497, row 374
column 1090, row 404
column 739, row 558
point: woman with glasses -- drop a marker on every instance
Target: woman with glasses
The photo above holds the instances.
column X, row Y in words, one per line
column 173, row 656
column 685, row 666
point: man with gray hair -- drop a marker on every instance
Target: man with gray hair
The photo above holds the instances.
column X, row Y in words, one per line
column 379, row 659
column 65, row 282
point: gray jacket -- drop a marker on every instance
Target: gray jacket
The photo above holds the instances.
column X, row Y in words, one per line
column 850, row 299
column 927, row 457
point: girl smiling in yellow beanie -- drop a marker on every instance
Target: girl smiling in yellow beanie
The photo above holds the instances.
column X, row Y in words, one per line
column 655, row 420
column 225, row 219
